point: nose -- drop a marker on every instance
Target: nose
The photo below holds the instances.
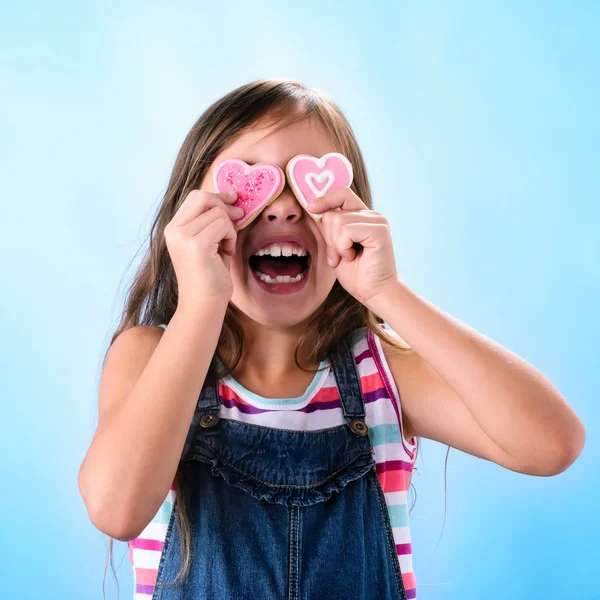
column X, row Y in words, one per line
column 285, row 208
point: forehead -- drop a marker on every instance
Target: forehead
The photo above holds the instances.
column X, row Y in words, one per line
column 277, row 144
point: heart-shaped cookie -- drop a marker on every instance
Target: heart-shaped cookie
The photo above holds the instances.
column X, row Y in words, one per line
column 311, row 177
column 256, row 186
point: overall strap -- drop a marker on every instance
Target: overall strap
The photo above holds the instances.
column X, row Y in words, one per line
column 348, row 380
column 208, row 402
column 206, row 413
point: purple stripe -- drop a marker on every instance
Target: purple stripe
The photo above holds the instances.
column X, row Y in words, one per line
column 253, row 410
column 411, row 594
column 375, row 395
column 147, row 544
column 313, row 406
column 393, row 465
column 144, row 589
column 364, row 354
column 309, row 408
column 403, row 548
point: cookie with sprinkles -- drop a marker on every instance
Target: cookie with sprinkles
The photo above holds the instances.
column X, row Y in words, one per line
column 256, row 186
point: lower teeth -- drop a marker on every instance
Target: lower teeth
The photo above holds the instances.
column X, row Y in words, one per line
column 280, row 278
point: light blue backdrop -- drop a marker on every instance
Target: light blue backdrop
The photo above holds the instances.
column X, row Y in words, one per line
column 487, row 116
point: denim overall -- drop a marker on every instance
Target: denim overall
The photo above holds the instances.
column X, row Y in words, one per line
column 279, row 514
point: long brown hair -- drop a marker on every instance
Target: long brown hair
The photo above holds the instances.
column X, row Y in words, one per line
column 152, row 294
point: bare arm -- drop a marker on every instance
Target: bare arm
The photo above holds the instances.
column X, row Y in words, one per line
column 148, row 392
column 465, row 390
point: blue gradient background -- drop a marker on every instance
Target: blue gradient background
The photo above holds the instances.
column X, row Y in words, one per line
column 486, row 114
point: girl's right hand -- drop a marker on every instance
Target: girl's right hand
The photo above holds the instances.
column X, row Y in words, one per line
column 201, row 239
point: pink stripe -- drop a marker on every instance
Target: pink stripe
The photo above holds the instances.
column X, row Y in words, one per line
column 404, row 548
column 394, row 481
column 394, row 465
column 146, row 576
column 147, row 544
column 410, row 584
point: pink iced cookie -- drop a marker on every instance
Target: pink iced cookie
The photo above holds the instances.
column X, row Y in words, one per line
column 311, row 177
column 256, row 185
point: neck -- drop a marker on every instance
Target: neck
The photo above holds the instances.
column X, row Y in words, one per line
column 269, row 353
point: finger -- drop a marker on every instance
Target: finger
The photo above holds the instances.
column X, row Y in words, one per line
column 221, row 231
column 343, row 198
column 367, row 235
column 205, row 220
column 337, row 221
column 198, row 201
column 229, row 197
column 333, row 258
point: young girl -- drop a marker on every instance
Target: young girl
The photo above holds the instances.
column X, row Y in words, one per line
column 256, row 439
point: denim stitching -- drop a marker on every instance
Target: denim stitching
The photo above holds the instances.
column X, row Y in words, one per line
column 299, row 531
column 159, row 585
column 292, row 572
column 278, row 429
column 294, row 485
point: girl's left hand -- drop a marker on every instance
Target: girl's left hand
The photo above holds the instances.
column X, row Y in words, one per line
column 360, row 243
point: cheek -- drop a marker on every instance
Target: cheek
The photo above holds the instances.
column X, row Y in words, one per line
column 239, row 267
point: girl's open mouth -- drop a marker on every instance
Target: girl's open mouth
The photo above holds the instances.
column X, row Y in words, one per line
column 281, row 274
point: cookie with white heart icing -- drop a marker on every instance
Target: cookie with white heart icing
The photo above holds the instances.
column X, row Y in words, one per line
column 256, row 186
column 311, row 177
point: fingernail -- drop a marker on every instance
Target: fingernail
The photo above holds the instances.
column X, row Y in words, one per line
column 231, row 194
column 330, row 261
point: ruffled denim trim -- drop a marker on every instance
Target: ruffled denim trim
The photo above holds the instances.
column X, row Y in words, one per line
column 290, row 494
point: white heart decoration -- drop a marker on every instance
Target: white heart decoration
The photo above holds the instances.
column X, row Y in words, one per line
column 320, row 178
column 303, row 170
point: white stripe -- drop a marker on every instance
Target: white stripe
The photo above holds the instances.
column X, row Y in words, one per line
column 299, row 421
column 393, row 498
column 385, row 452
column 146, row 559
column 401, row 534
column 154, row 531
column 406, row 563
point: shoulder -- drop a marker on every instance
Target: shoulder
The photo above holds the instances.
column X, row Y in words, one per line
column 125, row 360
column 140, row 339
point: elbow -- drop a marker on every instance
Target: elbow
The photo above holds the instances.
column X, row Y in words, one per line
column 115, row 526
column 106, row 516
column 567, row 450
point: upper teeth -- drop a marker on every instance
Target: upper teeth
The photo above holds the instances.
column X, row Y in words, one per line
column 281, row 250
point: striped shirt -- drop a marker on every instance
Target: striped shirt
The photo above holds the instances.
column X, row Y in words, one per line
column 318, row 408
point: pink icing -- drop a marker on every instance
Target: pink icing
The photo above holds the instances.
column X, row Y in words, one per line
column 312, row 177
column 256, row 185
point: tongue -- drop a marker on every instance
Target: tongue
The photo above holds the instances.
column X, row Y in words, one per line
column 280, row 266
